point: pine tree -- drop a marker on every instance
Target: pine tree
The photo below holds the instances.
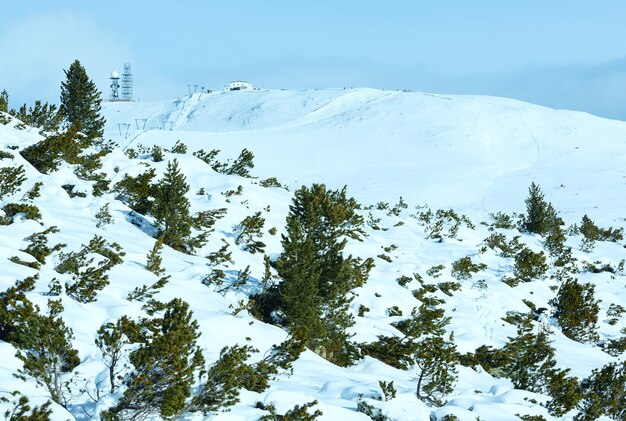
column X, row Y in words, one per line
column 165, row 366
column 435, row 359
column 137, row 192
column 242, row 165
column 47, row 354
column 22, row 411
column 249, row 228
column 540, row 215
column 111, row 341
column 530, row 364
column 4, row 101
column 604, row 393
column 316, row 275
column 576, row 309
column 171, row 208
column 80, row 102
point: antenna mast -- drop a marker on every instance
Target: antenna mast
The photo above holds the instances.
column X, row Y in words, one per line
column 127, row 83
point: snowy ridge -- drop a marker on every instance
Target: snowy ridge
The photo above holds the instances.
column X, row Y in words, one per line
column 474, row 154
column 484, row 151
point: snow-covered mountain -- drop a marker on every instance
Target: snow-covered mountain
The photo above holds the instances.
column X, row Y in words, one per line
column 474, row 153
column 477, row 155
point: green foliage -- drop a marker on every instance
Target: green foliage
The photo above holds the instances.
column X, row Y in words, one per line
column 223, row 380
column 29, row 211
column 206, row 219
column 80, row 102
column 38, row 247
column 399, row 352
column 157, row 153
column 88, row 268
column 153, row 264
column 370, row 410
column 435, row 360
column 4, row 101
column 464, row 268
column 501, row 221
column 443, row 223
column 490, row 359
column 154, row 260
column 297, row 413
column 179, row 147
column 87, row 168
column 111, row 341
column 435, row 271
column 604, row 393
column 616, row 347
column 448, row 287
column 34, row 191
column 242, row 165
column 312, row 299
column 45, row 349
column 529, row 265
column 218, row 258
column 46, row 117
column 33, row 265
column 22, row 411
column 16, row 311
column 165, row 364
column 247, row 231
column 271, row 182
column 11, row 178
column 46, row 156
column 576, row 309
column 531, row 366
column 209, row 158
column 540, row 215
column 137, row 192
column 389, row 391
column 592, row 233
column 171, row 208
column 104, row 216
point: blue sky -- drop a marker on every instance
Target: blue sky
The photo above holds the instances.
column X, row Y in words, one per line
column 563, row 54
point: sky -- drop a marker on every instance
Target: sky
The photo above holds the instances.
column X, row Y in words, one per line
column 567, row 54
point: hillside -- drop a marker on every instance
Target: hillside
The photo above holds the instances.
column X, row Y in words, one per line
column 483, row 151
column 476, row 155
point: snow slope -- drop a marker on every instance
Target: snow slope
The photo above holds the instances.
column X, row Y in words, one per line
column 474, row 154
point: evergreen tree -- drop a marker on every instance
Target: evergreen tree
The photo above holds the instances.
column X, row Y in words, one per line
column 22, row 411
column 165, row 366
column 137, row 192
column 4, row 101
column 171, row 208
column 604, row 393
column 44, row 116
column 530, row 364
column 47, row 155
column 435, row 359
column 576, row 309
column 540, row 215
column 316, row 275
column 242, row 165
column 247, row 230
column 80, row 102
column 111, row 341
column 47, row 354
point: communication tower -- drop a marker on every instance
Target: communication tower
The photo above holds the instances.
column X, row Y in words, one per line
column 127, row 83
column 115, row 86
